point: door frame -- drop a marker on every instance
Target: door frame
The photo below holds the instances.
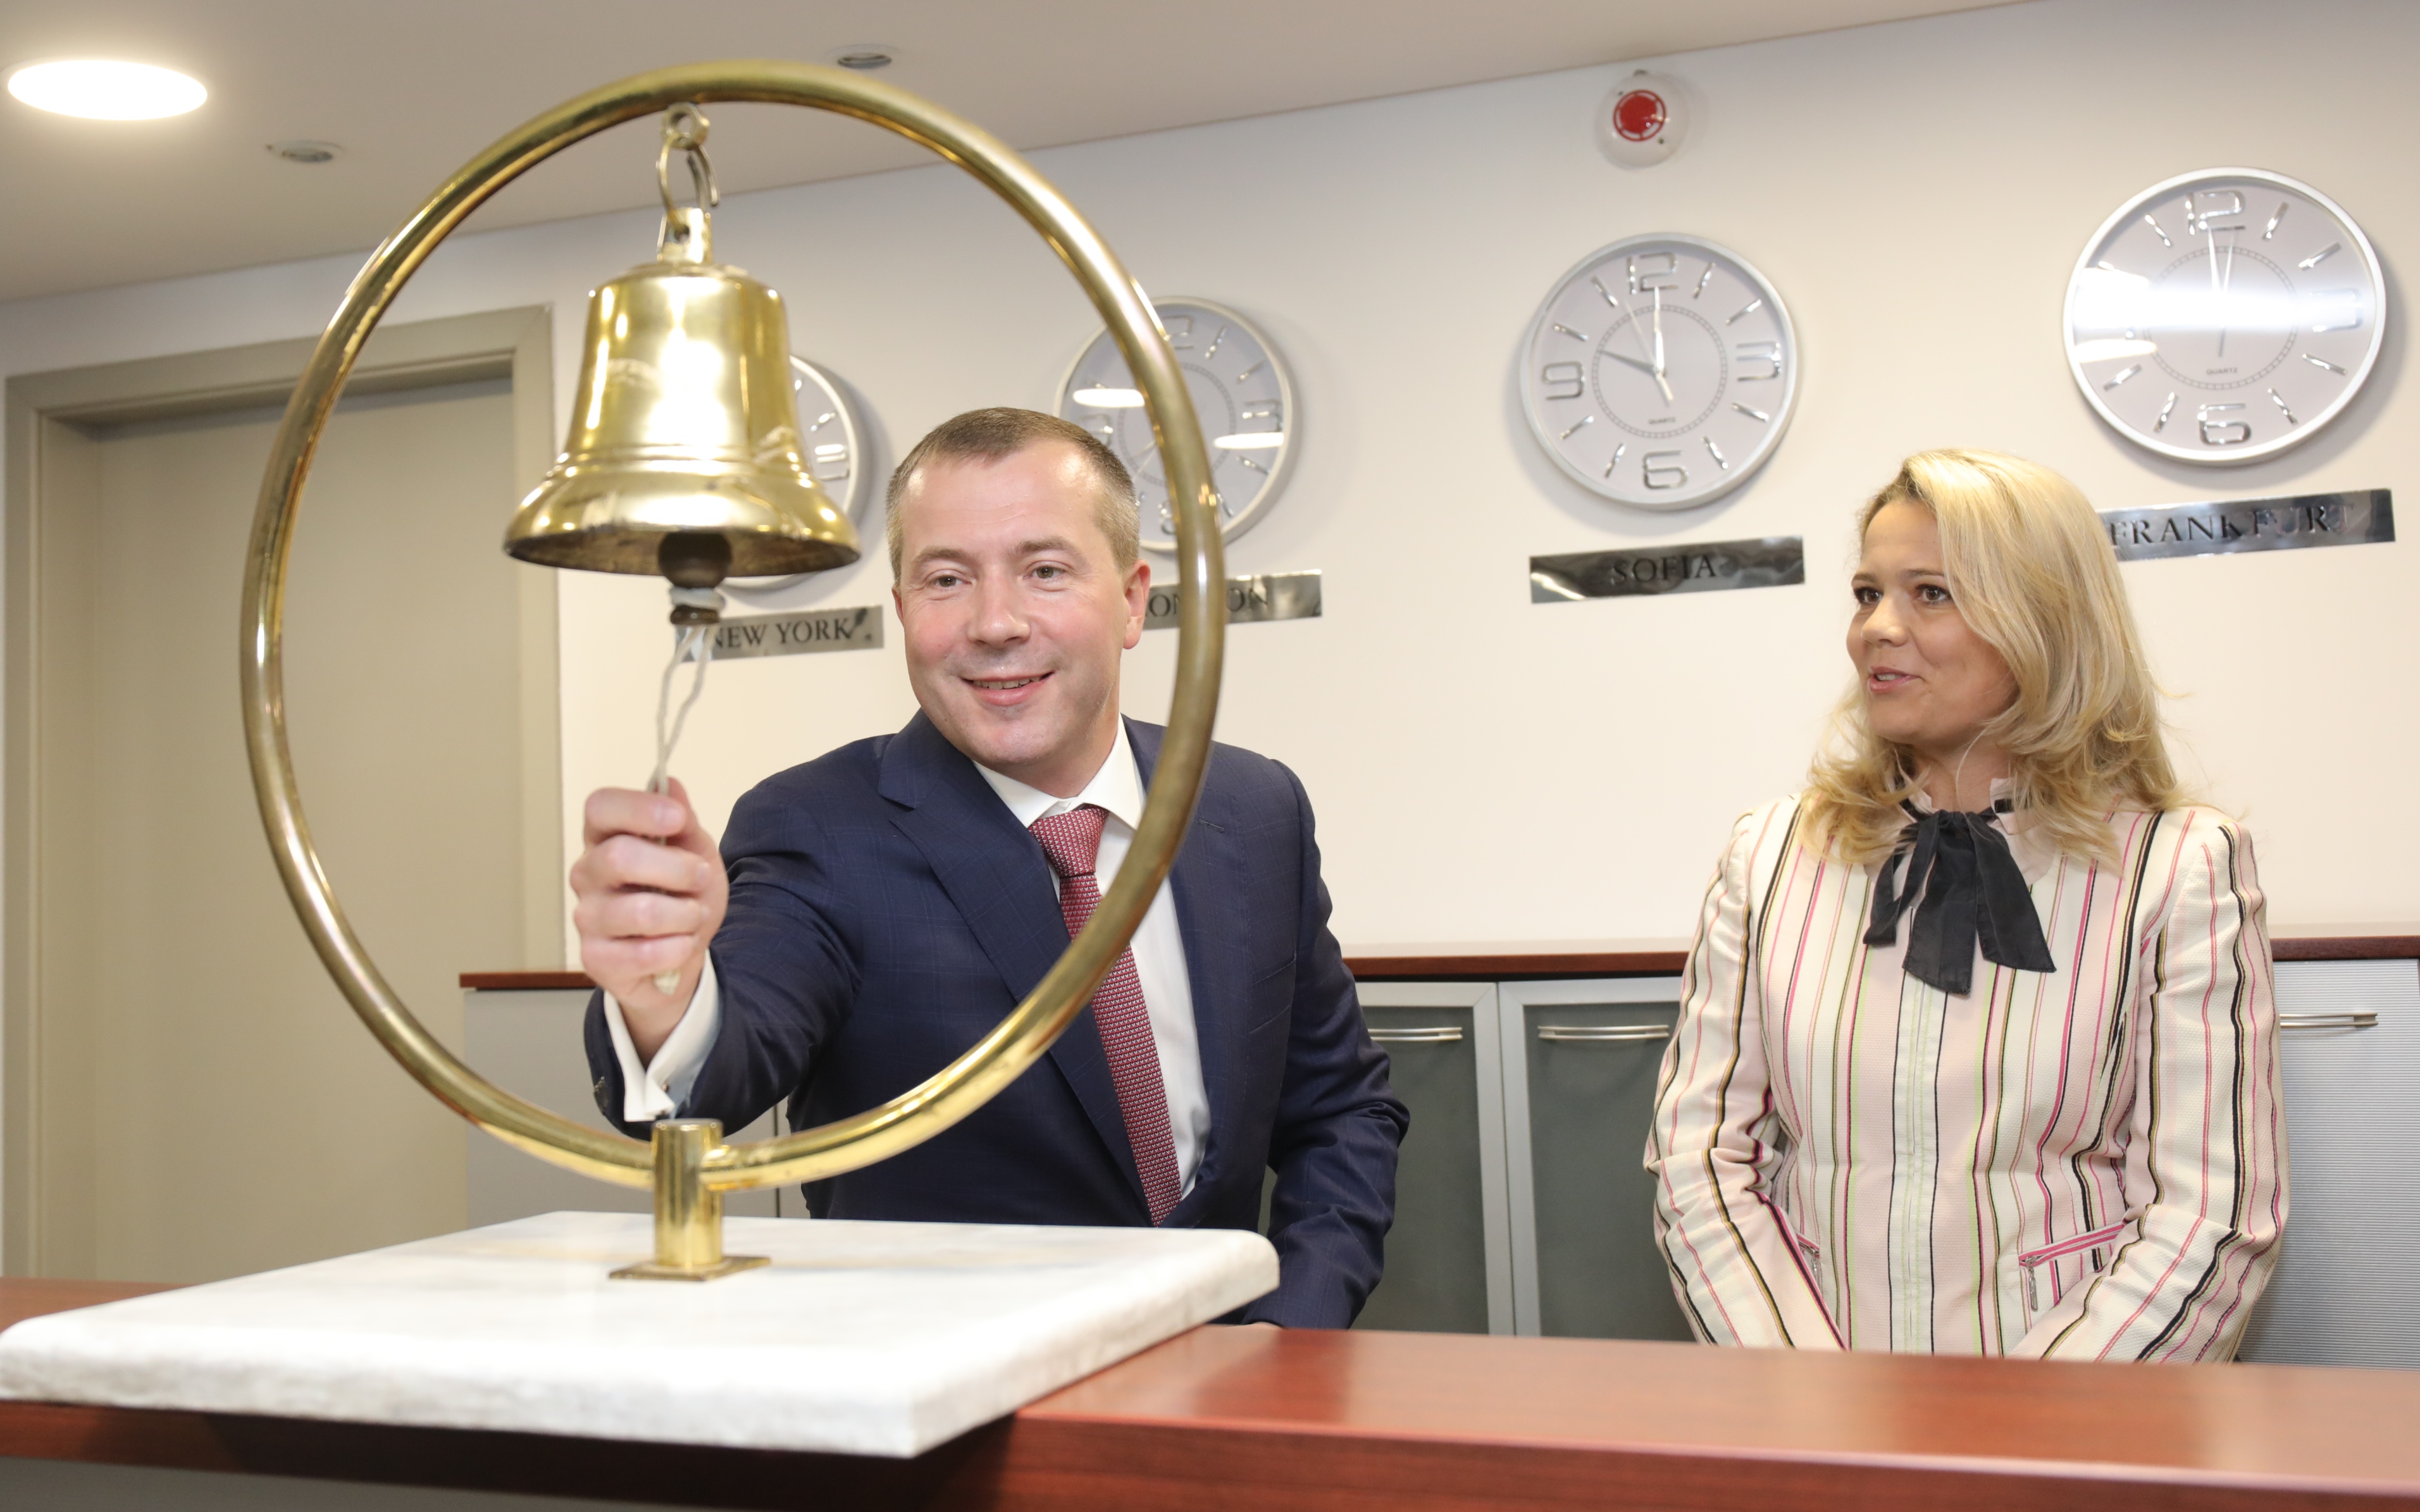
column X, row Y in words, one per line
column 51, row 470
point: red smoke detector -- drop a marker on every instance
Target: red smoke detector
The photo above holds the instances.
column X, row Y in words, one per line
column 1642, row 119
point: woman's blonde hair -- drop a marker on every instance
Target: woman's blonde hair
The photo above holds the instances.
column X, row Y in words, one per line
column 2030, row 567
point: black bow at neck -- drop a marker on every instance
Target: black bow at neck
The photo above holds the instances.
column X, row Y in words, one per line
column 1971, row 892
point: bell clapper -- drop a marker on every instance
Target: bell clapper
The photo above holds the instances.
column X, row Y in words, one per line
column 694, row 561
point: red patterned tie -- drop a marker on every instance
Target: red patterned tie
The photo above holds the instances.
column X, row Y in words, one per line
column 1072, row 841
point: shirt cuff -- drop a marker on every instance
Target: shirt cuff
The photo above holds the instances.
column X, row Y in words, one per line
column 658, row 1090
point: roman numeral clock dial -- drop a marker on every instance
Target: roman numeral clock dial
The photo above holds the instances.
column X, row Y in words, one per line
column 2224, row 316
column 1661, row 371
column 1241, row 390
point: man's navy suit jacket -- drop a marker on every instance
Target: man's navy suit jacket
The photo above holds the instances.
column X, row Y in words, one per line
column 887, row 911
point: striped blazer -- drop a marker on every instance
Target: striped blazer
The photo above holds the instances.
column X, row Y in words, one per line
column 2086, row 1163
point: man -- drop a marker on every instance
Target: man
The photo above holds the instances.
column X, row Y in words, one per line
column 875, row 912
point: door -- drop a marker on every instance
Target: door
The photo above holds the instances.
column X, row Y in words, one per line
column 209, row 1103
column 1581, row 1062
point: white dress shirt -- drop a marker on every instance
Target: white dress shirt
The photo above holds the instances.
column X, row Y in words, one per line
column 659, row 1089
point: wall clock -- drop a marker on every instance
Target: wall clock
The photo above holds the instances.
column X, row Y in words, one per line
column 2224, row 316
column 1242, row 391
column 1660, row 371
column 833, row 436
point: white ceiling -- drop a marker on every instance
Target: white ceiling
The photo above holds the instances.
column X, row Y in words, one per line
column 410, row 88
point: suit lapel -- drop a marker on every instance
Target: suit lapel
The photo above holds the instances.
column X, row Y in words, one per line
column 993, row 869
column 1209, row 885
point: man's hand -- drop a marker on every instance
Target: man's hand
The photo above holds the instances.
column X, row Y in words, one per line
column 651, row 894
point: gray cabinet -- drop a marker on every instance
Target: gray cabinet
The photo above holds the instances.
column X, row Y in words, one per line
column 1583, row 1058
column 2347, row 1289
column 1521, row 1202
column 1449, row 1254
column 1522, row 1205
column 1556, row 1120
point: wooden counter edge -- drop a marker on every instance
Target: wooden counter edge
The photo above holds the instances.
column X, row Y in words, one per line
column 526, row 981
column 1083, row 1464
column 1066, row 1453
column 1513, row 962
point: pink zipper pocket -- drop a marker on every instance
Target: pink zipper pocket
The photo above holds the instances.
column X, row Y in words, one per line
column 1809, row 1250
column 2095, row 1241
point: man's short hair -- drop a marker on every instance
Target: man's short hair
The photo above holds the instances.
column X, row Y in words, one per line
column 990, row 435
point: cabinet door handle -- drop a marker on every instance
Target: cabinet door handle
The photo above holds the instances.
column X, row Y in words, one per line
column 1604, row 1033
column 1446, row 1034
column 2358, row 1019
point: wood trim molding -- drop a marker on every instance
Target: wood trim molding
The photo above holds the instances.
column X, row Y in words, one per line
column 526, row 981
column 2348, row 948
column 1513, row 963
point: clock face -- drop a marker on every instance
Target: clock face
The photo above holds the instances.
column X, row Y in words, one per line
column 1660, row 371
column 2224, row 316
column 832, row 436
column 1241, row 390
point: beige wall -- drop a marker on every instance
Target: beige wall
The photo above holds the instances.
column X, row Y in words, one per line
column 1486, row 768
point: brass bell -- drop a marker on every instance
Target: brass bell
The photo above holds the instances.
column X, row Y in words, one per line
column 683, row 457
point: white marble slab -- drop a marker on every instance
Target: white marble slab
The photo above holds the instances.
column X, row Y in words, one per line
column 870, row 1339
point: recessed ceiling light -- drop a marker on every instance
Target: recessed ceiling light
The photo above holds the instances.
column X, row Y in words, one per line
column 99, row 89
column 864, row 56
column 306, row 152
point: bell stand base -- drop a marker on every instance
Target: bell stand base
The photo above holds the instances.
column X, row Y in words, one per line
column 689, row 1214
column 656, row 1270
column 861, row 1338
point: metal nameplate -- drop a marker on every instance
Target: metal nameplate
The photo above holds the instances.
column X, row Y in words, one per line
column 1267, row 595
column 1697, row 568
column 2365, row 517
column 787, row 634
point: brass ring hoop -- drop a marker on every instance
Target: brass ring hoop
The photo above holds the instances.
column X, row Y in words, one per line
column 1021, row 1038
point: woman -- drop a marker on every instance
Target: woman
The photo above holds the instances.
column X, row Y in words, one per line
column 1978, row 1047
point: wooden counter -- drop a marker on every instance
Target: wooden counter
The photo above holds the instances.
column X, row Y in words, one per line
column 1558, row 960
column 1234, row 1418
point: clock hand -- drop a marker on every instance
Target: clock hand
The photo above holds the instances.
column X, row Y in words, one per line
column 1658, row 293
column 1631, row 319
column 1659, row 342
column 2225, row 287
column 1641, row 363
column 1655, row 366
